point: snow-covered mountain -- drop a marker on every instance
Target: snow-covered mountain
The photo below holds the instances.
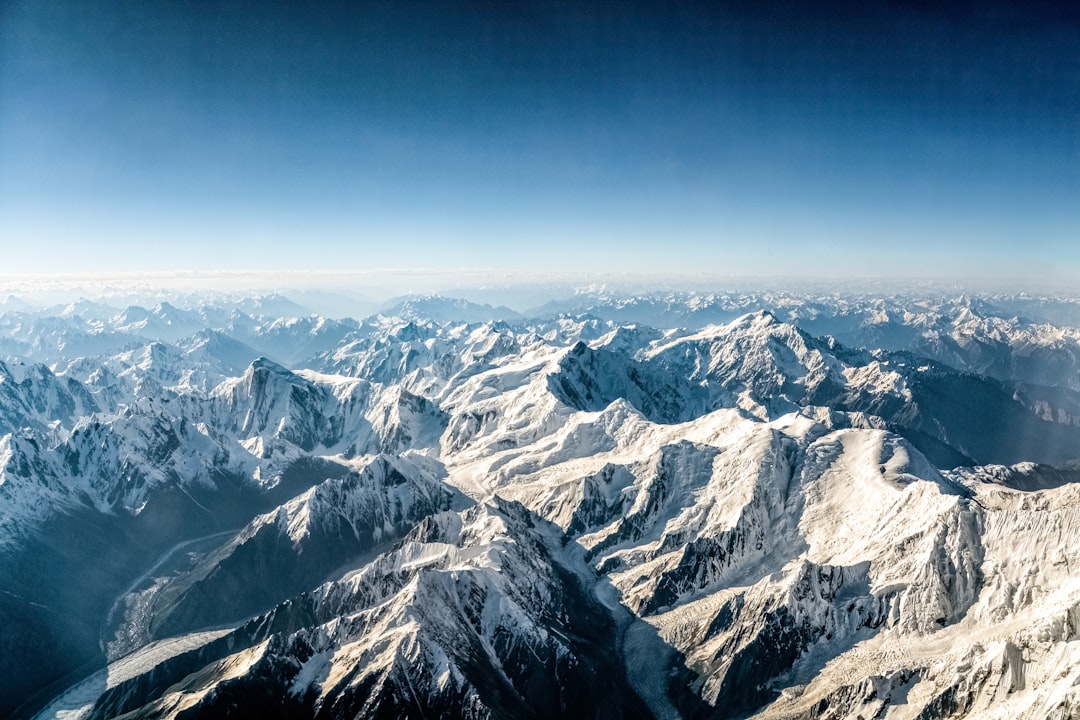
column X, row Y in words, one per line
column 703, row 505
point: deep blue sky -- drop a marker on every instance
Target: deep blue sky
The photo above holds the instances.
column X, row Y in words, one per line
column 895, row 138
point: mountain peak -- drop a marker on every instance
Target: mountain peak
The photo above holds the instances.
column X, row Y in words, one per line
column 263, row 363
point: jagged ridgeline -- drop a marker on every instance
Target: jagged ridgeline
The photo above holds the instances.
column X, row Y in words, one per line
column 666, row 505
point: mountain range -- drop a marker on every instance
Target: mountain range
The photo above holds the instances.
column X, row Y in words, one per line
column 701, row 505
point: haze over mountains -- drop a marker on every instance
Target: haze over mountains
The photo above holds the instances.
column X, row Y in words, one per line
column 715, row 505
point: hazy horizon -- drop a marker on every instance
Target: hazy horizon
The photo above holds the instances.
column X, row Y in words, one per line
column 344, row 293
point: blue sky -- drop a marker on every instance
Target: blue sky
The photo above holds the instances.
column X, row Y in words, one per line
column 880, row 138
